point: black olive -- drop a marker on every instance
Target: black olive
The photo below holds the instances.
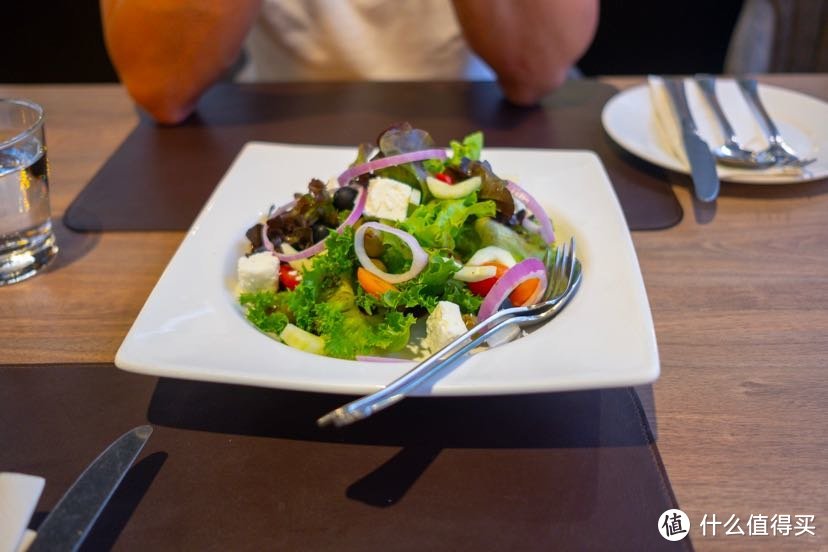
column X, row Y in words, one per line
column 320, row 232
column 344, row 198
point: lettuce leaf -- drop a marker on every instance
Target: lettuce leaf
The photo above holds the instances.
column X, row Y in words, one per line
column 323, row 277
column 348, row 332
column 492, row 187
column 396, row 254
column 435, row 283
column 403, row 138
column 267, row 310
column 469, row 148
column 324, row 303
column 439, row 224
column 521, row 244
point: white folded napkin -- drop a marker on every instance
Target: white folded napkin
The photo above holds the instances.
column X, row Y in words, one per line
column 741, row 118
column 19, row 494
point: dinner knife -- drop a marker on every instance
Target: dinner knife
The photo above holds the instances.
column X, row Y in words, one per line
column 70, row 520
column 702, row 163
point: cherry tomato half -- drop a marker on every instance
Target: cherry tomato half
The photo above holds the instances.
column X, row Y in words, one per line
column 519, row 296
column 289, row 277
column 483, row 287
column 444, row 177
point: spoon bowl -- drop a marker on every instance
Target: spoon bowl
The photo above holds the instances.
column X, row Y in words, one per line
column 733, row 155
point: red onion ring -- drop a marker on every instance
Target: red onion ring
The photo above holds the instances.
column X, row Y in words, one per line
column 367, row 358
column 546, row 231
column 526, row 269
column 385, row 162
column 265, row 240
column 359, row 206
column 419, row 258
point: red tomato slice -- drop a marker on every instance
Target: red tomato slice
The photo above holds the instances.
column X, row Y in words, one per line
column 289, row 277
column 444, row 177
column 519, row 296
column 483, row 287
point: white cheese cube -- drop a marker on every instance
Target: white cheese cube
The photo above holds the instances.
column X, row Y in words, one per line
column 443, row 324
column 387, row 199
column 258, row 272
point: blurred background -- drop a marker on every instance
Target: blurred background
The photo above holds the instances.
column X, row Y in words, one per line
column 634, row 37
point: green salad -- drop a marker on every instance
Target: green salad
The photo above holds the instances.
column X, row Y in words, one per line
column 408, row 231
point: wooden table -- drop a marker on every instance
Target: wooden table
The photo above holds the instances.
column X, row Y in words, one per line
column 739, row 298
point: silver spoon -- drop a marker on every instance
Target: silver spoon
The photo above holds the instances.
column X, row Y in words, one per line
column 731, row 152
column 783, row 153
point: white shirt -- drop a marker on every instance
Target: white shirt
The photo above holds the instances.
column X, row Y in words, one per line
column 359, row 40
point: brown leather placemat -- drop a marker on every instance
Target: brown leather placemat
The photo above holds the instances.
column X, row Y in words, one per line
column 232, row 467
column 160, row 177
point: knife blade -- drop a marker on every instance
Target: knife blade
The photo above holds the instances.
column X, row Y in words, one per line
column 70, row 520
column 702, row 163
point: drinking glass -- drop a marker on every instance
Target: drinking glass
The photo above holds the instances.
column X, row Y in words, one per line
column 27, row 243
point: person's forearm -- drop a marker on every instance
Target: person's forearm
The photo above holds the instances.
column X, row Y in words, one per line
column 167, row 52
column 530, row 44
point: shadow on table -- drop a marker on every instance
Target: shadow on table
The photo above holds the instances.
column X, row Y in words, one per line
column 600, row 418
column 579, row 424
column 72, row 246
column 233, row 464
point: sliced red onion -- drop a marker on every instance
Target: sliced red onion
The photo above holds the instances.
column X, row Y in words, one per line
column 419, row 258
column 546, row 231
column 359, row 206
column 265, row 240
column 385, row 162
column 367, row 358
column 526, row 269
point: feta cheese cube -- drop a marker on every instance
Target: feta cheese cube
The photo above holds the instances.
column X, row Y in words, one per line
column 387, row 199
column 443, row 324
column 258, row 272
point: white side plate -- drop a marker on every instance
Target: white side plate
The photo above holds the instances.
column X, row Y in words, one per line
column 629, row 119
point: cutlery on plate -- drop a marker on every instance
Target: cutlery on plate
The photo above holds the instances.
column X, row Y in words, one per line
column 70, row 520
column 564, row 277
column 731, row 151
column 784, row 154
column 702, row 163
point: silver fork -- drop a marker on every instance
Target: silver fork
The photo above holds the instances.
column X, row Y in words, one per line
column 731, row 151
column 783, row 153
column 564, row 276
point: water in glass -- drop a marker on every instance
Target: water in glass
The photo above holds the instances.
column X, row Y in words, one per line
column 26, row 240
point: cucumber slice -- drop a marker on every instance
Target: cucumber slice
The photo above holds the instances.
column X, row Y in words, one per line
column 492, row 232
column 443, row 190
column 298, row 338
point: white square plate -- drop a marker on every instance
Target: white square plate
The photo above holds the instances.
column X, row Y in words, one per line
column 192, row 328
